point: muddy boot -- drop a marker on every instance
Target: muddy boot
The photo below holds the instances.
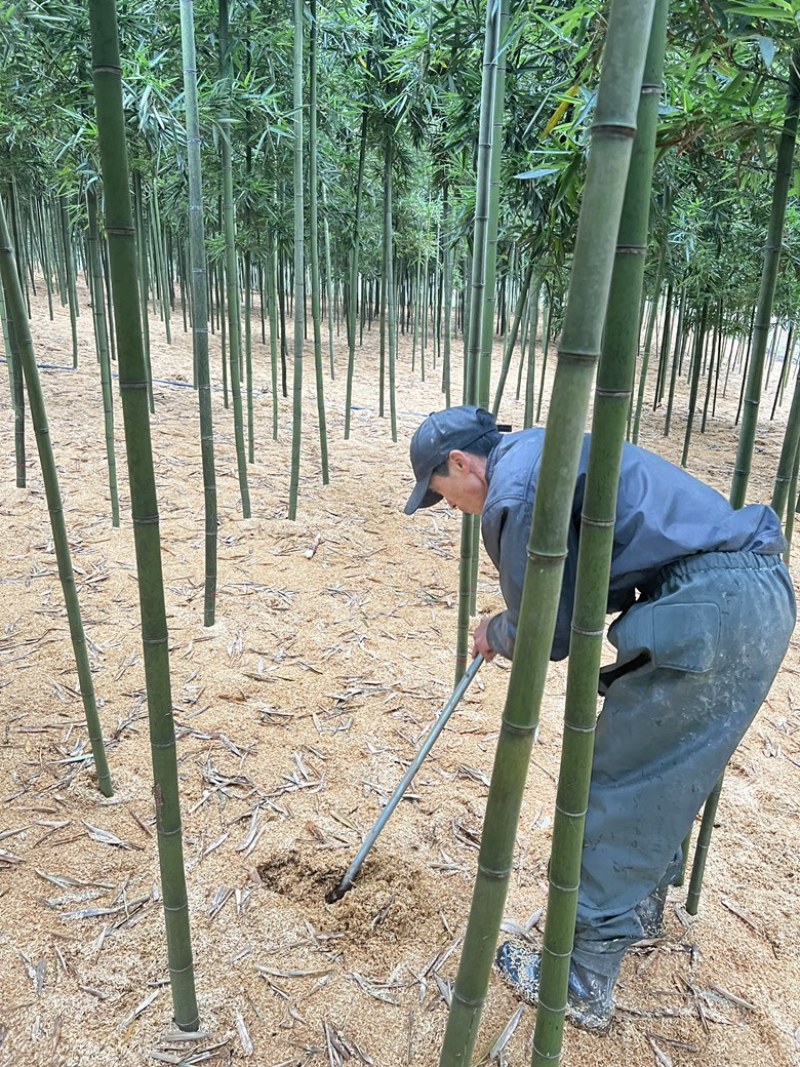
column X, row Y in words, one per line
column 650, row 913
column 590, row 999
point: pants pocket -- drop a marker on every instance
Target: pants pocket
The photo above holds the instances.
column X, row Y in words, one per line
column 686, row 636
column 678, row 636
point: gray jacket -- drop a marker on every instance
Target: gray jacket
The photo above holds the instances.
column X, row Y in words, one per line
column 663, row 514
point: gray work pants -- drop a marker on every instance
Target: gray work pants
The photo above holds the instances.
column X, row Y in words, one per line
column 704, row 648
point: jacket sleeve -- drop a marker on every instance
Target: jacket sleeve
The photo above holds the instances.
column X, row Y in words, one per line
column 513, row 530
column 514, row 527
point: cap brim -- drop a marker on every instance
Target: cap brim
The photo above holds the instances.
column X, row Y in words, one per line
column 421, row 497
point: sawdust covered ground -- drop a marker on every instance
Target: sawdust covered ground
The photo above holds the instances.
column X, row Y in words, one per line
column 297, row 714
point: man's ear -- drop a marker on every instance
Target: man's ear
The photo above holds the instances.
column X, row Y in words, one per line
column 459, row 461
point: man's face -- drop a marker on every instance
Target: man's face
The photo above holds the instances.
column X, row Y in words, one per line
column 464, row 486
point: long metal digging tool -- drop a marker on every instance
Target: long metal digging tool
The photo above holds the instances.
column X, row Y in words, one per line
column 347, row 882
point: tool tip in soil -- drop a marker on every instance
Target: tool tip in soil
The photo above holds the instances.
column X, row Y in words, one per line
column 336, row 893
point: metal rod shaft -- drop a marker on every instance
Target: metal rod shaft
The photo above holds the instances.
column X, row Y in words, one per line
column 413, row 767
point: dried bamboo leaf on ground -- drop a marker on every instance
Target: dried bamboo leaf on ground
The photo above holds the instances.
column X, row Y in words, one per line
column 194, row 1057
column 377, row 990
column 137, row 1011
column 740, row 913
column 181, row 1036
column 244, row 1034
column 223, row 894
column 66, row 881
column 12, row 833
column 105, row 837
column 35, row 973
column 499, row 1043
column 661, row 1057
column 275, row 973
column 739, row 1001
column 684, row 1046
column 341, row 1048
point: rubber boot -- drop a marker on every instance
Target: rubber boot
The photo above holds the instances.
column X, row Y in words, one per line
column 590, row 994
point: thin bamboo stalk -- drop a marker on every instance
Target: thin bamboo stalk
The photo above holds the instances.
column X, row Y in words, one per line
column 769, row 275
column 101, row 338
column 18, row 316
column 316, row 313
column 697, row 363
column 299, row 260
column 199, row 287
column 354, row 278
column 231, row 265
column 747, row 434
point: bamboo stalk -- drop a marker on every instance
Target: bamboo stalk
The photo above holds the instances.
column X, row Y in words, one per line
column 199, row 288
column 609, row 424
column 299, row 260
column 747, row 434
column 107, row 76
column 612, row 132
column 18, row 319
column 314, row 239
column 769, row 275
column 231, row 265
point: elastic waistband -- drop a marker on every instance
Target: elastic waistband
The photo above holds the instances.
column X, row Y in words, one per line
column 716, row 561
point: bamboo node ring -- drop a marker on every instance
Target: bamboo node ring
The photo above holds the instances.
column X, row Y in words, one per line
column 571, row 814
column 497, row 875
column 564, row 888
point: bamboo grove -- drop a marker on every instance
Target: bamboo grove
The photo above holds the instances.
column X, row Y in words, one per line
column 423, row 171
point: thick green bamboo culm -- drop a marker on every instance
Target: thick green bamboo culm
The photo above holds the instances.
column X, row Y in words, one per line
column 199, row 292
column 607, row 170
column 299, row 261
column 609, row 425
column 18, row 319
column 769, row 275
column 107, row 76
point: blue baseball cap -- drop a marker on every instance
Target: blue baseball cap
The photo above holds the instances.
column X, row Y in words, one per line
column 435, row 439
